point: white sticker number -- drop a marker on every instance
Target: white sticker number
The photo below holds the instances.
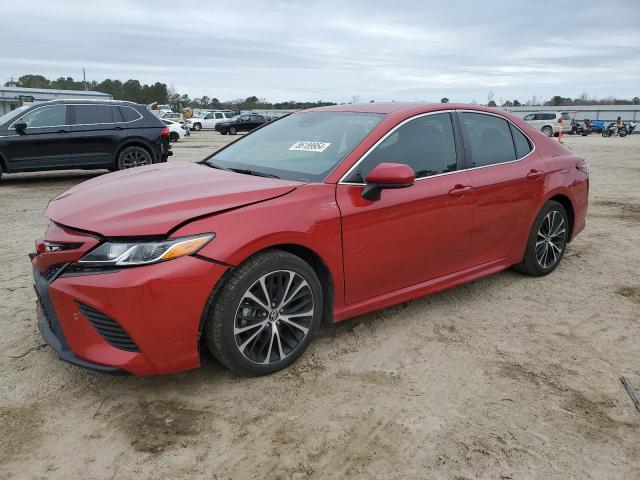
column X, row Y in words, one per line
column 310, row 146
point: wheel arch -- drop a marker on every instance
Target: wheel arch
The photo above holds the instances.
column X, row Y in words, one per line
column 135, row 142
column 566, row 202
column 3, row 164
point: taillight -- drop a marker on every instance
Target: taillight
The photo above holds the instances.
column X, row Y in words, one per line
column 164, row 132
column 560, row 120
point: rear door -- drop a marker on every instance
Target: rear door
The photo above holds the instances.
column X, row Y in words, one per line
column 44, row 144
column 97, row 131
column 507, row 178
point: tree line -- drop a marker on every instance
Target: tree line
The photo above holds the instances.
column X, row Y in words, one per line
column 134, row 91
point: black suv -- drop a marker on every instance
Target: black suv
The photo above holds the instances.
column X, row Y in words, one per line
column 84, row 134
column 240, row 123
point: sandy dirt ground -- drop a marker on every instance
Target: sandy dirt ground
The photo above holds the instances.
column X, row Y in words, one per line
column 508, row 377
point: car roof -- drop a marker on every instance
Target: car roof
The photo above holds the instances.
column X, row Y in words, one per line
column 92, row 101
column 403, row 108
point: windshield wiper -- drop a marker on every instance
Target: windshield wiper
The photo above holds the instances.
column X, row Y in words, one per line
column 252, row 172
column 219, row 167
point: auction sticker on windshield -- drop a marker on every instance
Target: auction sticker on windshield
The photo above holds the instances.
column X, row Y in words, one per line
column 310, row 146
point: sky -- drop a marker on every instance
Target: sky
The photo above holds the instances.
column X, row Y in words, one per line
column 333, row 50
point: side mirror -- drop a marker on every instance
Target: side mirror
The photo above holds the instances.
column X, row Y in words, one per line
column 387, row 175
column 20, row 127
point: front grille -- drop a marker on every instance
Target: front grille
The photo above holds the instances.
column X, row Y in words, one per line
column 108, row 329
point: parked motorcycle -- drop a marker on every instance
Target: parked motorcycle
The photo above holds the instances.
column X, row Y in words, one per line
column 597, row 126
column 613, row 129
column 585, row 128
column 631, row 126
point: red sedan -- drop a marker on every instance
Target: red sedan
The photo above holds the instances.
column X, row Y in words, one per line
column 319, row 216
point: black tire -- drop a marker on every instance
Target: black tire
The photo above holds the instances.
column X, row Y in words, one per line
column 622, row 132
column 224, row 327
column 233, row 130
column 606, row 133
column 531, row 263
column 548, row 131
column 133, row 156
column 197, row 127
column 223, row 132
column 174, row 137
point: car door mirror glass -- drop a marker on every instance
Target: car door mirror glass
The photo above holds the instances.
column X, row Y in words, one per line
column 387, row 175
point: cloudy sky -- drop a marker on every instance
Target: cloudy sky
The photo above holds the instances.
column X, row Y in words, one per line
column 308, row 50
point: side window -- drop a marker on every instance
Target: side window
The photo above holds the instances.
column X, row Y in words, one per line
column 520, row 141
column 548, row 116
column 489, row 139
column 426, row 144
column 219, row 115
column 51, row 116
column 129, row 114
column 529, row 117
column 92, row 114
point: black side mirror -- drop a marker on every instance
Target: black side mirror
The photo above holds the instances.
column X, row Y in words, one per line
column 20, row 127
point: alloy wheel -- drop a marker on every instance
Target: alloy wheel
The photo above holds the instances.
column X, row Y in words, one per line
column 135, row 158
column 273, row 317
column 551, row 239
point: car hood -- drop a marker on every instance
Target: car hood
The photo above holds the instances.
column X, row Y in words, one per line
column 152, row 200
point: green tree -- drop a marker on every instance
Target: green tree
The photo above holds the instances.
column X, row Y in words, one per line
column 517, row 103
column 33, row 81
column 491, row 103
column 444, row 100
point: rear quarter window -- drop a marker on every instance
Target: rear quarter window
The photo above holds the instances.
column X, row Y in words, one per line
column 93, row 114
column 520, row 142
column 129, row 114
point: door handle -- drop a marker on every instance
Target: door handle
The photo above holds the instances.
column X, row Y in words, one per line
column 62, row 130
column 460, row 190
column 533, row 174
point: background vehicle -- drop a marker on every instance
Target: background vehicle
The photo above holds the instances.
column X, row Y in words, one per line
column 241, row 123
column 598, row 126
column 613, row 129
column 85, row 134
column 177, row 131
column 549, row 122
column 209, row 120
column 176, row 117
column 631, row 126
column 251, row 250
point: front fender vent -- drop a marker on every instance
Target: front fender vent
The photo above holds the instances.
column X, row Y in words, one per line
column 109, row 329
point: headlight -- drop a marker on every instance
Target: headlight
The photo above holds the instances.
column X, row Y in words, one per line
column 127, row 254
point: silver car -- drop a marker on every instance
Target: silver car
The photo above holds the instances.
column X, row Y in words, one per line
column 549, row 122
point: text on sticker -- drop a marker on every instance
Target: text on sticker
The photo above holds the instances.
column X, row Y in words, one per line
column 309, row 146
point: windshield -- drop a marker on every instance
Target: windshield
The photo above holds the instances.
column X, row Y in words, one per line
column 7, row 117
column 303, row 146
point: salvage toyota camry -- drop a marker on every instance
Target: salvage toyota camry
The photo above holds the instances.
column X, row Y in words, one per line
column 319, row 216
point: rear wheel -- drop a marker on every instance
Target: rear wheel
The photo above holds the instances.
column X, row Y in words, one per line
column 131, row 157
column 622, row 132
column 266, row 314
column 548, row 131
column 606, row 133
column 547, row 241
column 233, row 130
column 223, row 132
column 174, row 137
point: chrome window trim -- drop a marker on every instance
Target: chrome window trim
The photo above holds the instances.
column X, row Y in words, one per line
column 10, row 127
column 342, row 180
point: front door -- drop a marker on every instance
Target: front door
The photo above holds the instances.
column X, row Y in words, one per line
column 414, row 234
column 44, row 144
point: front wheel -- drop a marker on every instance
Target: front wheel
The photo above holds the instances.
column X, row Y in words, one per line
column 622, row 132
column 266, row 314
column 547, row 241
column 233, row 130
column 548, row 131
column 197, row 127
column 133, row 157
column 606, row 133
column 223, row 132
